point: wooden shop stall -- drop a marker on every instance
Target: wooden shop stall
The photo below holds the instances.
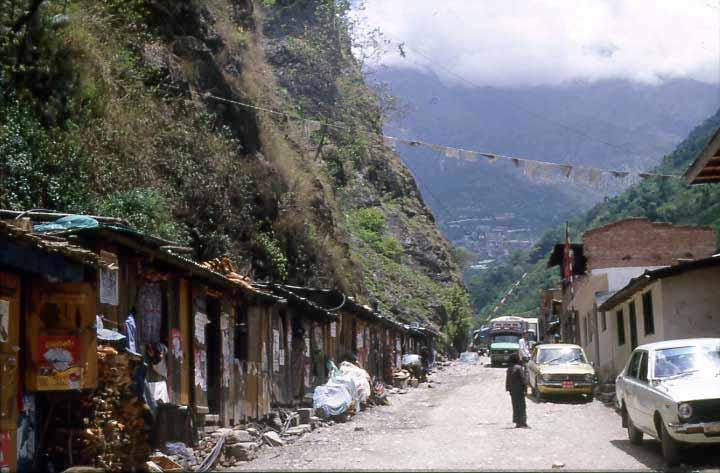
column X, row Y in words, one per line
column 47, row 346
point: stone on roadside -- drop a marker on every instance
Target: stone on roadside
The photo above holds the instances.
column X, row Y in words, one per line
column 299, row 430
column 244, row 451
column 558, row 465
column 305, row 414
column 273, row 439
column 238, row 436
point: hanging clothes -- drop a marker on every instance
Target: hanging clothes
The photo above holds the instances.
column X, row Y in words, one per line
column 149, row 309
column 131, row 332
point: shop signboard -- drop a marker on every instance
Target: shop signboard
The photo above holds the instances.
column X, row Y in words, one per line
column 59, row 366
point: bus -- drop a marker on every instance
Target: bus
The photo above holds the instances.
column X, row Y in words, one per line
column 505, row 333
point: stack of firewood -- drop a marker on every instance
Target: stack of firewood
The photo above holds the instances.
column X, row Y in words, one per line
column 221, row 265
column 118, row 432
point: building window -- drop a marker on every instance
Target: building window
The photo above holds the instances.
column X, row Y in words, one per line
column 620, row 327
column 648, row 315
column 603, row 321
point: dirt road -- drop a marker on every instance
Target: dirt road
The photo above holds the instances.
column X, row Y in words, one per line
column 464, row 422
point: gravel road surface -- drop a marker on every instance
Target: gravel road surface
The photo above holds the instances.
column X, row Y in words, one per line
column 465, row 422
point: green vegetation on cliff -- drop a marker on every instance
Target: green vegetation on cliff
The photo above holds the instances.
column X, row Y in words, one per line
column 112, row 107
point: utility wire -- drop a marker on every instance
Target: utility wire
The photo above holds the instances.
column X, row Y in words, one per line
column 456, row 152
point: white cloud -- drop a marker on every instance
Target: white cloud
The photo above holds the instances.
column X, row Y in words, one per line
column 534, row 42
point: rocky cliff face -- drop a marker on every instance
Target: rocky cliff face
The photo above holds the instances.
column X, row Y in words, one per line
column 149, row 102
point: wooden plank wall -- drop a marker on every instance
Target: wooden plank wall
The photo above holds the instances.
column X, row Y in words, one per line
column 10, row 364
column 227, row 336
column 185, row 324
column 199, row 305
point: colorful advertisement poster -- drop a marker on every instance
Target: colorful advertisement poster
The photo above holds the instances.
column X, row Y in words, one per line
column 59, row 366
column 176, row 344
column 5, row 449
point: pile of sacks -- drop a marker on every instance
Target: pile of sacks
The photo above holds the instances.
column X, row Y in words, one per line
column 345, row 392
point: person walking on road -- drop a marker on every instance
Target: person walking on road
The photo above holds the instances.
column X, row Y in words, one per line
column 515, row 385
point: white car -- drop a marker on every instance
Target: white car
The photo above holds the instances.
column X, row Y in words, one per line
column 671, row 391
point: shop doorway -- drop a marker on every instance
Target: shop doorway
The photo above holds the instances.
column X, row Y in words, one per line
column 213, row 345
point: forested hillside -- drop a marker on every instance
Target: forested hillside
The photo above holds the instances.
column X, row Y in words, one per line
column 668, row 200
column 134, row 108
column 613, row 124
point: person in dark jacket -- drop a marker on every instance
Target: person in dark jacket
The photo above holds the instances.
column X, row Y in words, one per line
column 515, row 385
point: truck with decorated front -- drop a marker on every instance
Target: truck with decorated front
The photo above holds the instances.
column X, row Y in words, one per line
column 505, row 334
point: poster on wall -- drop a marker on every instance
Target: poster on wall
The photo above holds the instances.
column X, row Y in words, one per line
column 200, row 359
column 318, row 333
column 5, row 450
column 59, row 366
column 307, row 345
column 333, row 329
column 108, row 286
column 276, row 350
column 176, row 344
column 4, row 320
column 282, row 357
column 201, row 320
column 359, row 339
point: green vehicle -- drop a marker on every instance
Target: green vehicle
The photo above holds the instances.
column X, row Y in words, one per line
column 505, row 333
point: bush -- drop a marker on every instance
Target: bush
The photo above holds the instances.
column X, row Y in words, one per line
column 38, row 169
column 147, row 210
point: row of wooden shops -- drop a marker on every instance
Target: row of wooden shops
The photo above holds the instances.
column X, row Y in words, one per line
column 203, row 342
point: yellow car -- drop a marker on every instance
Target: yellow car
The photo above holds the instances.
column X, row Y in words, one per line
column 560, row 369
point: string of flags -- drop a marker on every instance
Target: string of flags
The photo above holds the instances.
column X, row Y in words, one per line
column 509, row 293
column 534, row 170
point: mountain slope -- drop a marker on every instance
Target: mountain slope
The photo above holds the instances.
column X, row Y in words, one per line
column 134, row 109
column 609, row 124
column 656, row 199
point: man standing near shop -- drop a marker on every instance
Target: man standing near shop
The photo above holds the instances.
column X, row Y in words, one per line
column 515, row 385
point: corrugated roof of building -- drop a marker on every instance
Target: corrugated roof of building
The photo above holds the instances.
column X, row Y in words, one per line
column 50, row 245
column 706, row 167
column 644, row 280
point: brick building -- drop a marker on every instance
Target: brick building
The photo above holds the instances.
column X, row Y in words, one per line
column 608, row 258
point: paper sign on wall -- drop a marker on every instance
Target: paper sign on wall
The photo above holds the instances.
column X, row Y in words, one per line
column 359, row 340
column 319, row 337
column 4, row 320
column 201, row 321
column 176, row 344
column 108, row 286
column 282, row 357
column 333, row 329
column 276, row 350
column 307, row 345
column 200, row 360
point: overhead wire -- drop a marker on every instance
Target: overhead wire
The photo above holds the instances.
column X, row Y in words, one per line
column 456, row 153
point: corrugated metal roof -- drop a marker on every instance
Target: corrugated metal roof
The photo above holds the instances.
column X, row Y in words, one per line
column 50, row 245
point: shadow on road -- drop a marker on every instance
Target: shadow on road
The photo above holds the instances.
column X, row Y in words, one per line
column 559, row 399
column 649, row 453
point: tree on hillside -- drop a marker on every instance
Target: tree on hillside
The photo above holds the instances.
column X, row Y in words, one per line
column 459, row 317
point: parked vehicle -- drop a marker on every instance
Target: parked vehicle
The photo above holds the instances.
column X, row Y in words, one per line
column 481, row 340
column 561, row 369
column 671, row 391
column 505, row 332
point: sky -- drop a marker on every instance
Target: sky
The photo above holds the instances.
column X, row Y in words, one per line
column 516, row 43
